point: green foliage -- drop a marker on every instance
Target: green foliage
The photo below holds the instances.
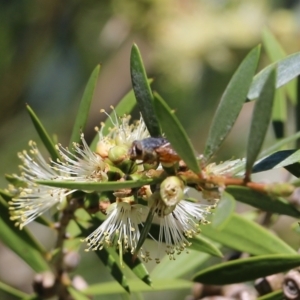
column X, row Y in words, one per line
column 175, row 133
column 247, row 269
column 260, row 120
column 84, row 108
column 119, row 203
column 231, row 103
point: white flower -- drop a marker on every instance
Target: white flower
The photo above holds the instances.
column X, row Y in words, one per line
column 122, row 134
column 31, row 200
column 178, row 224
column 120, row 229
column 84, row 165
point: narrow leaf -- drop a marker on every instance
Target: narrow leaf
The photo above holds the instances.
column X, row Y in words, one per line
column 288, row 159
column 279, row 114
column 11, row 291
column 198, row 243
column 273, row 160
column 231, row 103
column 278, row 145
column 21, row 242
column 201, row 244
column 125, row 106
column 77, row 295
column 110, row 262
column 287, row 69
column 224, row 211
column 263, row 201
column 105, row 255
column 144, row 232
column 44, row 136
column 84, row 108
column 143, row 91
column 241, row 234
column 175, row 133
column 275, row 53
column 137, row 267
column 260, row 120
column 111, row 288
column 277, row 295
column 183, row 265
column 96, row 186
column 247, row 269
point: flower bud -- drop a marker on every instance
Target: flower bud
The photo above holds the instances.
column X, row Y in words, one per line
column 44, row 285
column 71, row 260
column 280, row 189
column 118, row 155
column 171, row 191
column 103, row 147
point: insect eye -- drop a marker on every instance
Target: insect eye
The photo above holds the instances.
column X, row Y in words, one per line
column 138, row 149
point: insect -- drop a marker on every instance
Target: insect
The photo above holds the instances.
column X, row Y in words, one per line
column 153, row 149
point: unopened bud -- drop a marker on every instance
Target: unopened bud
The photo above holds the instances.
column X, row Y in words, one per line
column 71, row 260
column 79, row 283
column 118, row 155
column 171, row 191
column 103, row 148
column 280, row 189
column 44, row 285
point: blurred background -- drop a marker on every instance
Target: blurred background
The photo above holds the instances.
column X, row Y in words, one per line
column 190, row 48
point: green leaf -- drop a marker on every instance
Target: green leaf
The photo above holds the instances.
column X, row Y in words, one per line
column 279, row 112
column 77, row 295
column 277, row 295
column 246, row 236
column 287, row 69
column 272, row 161
column 231, row 103
column 224, row 211
column 116, row 272
column 143, row 91
column 247, row 269
column 21, row 242
column 183, row 265
column 273, row 48
column 106, row 255
column 275, row 52
column 10, row 291
column 280, row 144
column 110, row 288
column 84, row 108
column 199, row 243
column 145, row 231
column 175, row 133
column 43, row 134
column 289, row 159
column 97, row 186
column 137, row 267
column 260, row 120
column 125, row 106
column 263, row 201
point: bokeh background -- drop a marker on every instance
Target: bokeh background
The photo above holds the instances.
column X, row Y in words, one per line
column 190, row 48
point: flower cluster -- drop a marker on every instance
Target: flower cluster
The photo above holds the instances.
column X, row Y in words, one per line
column 178, row 218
